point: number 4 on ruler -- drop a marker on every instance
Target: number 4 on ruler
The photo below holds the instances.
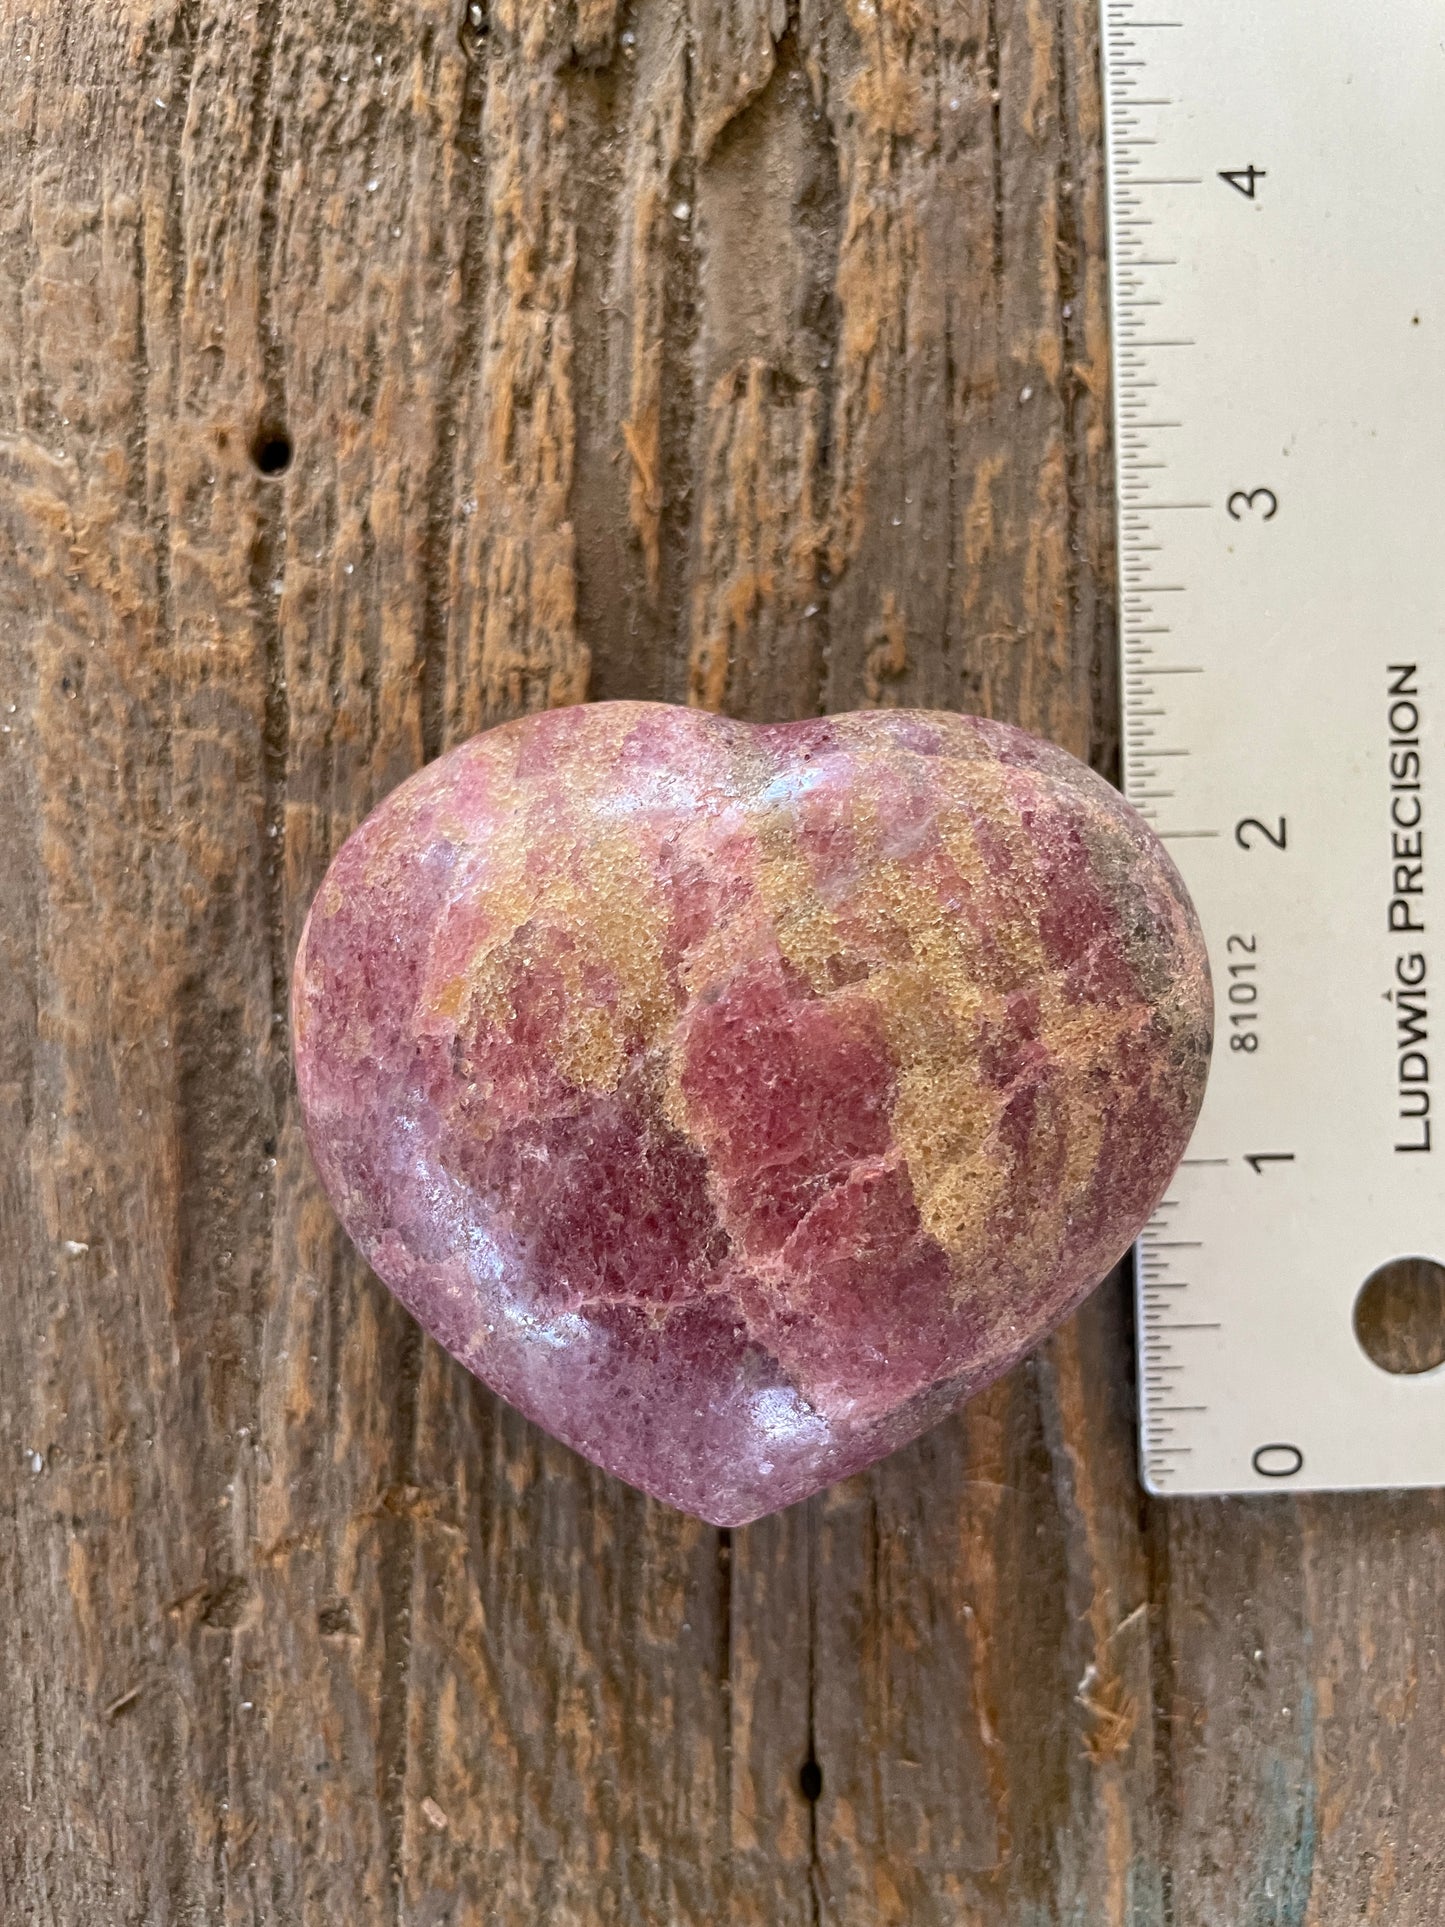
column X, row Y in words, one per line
column 1243, row 179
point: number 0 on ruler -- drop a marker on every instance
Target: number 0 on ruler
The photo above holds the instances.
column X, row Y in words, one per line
column 1277, row 199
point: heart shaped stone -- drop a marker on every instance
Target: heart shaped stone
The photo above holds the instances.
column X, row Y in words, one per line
column 737, row 1100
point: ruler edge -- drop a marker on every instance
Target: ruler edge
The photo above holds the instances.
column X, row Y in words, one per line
column 1112, row 16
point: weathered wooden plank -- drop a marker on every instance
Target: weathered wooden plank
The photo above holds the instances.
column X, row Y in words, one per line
column 512, row 630
column 1296, row 1663
column 734, row 59
column 372, row 218
column 750, row 353
column 765, row 217
column 635, row 274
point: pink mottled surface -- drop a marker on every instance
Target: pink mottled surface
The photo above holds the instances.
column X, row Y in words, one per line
column 737, row 1100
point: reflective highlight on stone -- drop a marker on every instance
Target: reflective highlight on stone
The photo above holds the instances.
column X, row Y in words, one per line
column 737, row 1100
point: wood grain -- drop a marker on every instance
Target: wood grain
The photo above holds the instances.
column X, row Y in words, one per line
column 731, row 351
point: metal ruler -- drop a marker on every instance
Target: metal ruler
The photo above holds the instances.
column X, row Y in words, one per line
column 1277, row 198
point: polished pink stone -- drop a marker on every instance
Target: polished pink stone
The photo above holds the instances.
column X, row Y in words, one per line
column 737, row 1100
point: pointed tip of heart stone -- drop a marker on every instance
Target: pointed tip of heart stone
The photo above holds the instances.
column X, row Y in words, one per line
column 737, row 1100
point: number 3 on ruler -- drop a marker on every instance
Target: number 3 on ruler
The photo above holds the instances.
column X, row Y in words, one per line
column 1243, row 500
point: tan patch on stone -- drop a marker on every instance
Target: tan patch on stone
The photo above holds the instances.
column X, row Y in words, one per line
column 598, row 895
column 936, row 990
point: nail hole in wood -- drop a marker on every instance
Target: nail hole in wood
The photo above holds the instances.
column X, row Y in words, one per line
column 810, row 1780
column 271, row 451
column 1400, row 1316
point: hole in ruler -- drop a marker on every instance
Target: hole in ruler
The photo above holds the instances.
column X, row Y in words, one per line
column 1400, row 1316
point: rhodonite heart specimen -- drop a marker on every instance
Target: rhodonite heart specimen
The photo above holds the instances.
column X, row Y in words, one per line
column 736, row 1100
